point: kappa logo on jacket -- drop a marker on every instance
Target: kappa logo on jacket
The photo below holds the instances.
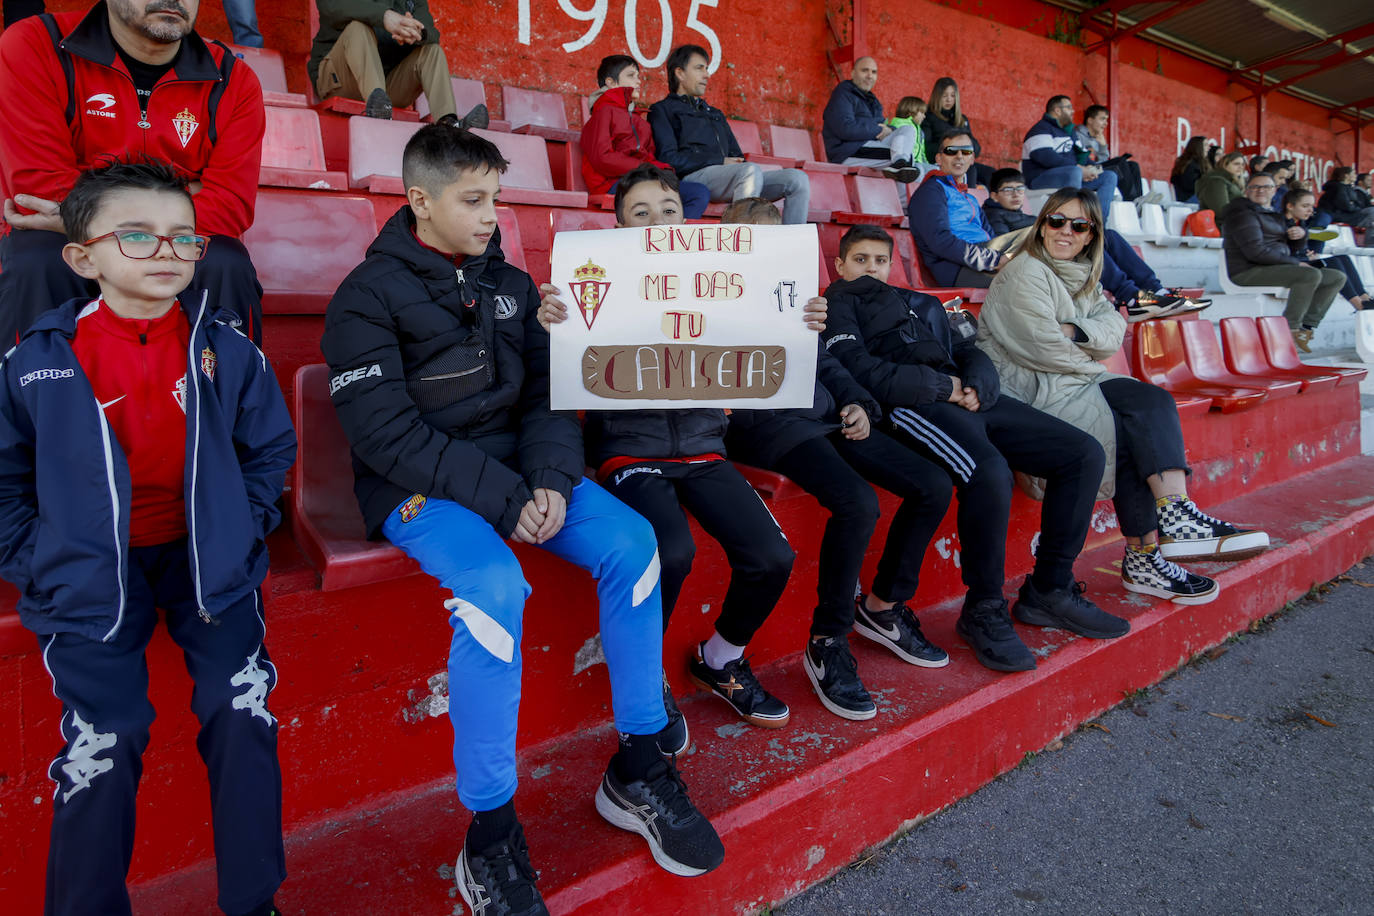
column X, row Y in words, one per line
column 82, row 763
column 39, row 375
column 343, row 379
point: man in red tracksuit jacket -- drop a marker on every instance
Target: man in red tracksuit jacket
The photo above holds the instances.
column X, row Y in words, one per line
column 617, row 139
column 122, row 80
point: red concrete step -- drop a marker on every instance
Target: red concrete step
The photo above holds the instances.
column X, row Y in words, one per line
column 795, row 805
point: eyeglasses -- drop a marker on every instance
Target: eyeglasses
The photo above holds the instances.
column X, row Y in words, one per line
column 1078, row 224
column 140, row 245
column 957, row 150
column 1261, row 187
column 1011, row 189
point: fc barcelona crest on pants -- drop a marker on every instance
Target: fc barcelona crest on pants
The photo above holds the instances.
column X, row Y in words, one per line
column 589, row 289
column 207, row 363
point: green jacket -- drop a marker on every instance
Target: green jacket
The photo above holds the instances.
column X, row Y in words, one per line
column 918, row 152
column 335, row 15
column 1216, row 189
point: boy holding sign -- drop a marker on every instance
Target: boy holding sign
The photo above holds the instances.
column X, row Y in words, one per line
column 662, row 461
column 441, row 384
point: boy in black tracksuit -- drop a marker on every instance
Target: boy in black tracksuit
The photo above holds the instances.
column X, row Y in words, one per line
column 944, row 398
column 832, row 452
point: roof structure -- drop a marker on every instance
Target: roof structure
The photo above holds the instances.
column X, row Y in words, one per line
column 1319, row 50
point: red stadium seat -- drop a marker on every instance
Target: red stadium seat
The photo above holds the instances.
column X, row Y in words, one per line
column 374, row 153
column 529, row 180
column 327, row 522
column 1160, row 360
column 293, row 153
column 921, row 277
column 577, row 220
column 303, row 245
column 271, row 73
column 796, row 143
column 1281, row 354
column 512, row 246
column 1120, row 363
column 877, row 197
column 1245, row 356
column 531, row 111
column 1204, row 357
column 747, row 135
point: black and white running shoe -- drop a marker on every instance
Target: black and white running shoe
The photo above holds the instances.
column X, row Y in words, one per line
column 833, row 673
column 657, row 808
column 499, row 880
column 1188, row 533
column 898, row 630
column 1147, row 572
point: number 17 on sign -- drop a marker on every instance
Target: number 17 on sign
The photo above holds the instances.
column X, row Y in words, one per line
column 786, row 294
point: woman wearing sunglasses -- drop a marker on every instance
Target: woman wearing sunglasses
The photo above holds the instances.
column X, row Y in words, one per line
column 1045, row 325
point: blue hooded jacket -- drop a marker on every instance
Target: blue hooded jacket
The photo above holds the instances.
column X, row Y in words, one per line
column 65, row 490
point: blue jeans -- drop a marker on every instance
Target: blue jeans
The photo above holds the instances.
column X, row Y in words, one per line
column 242, row 17
column 1071, row 176
column 461, row 550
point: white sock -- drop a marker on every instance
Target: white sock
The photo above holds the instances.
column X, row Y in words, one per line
column 717, row 653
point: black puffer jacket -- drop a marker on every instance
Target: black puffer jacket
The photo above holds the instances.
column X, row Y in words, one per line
column 1253, row 236
column 762, row 437
column 689, row 134
column 938, row 125
column 1342, row 201
column 897, row 344
column 440, row 376
column 1003, row 220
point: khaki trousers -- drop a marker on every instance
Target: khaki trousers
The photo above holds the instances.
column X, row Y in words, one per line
column 353, row 69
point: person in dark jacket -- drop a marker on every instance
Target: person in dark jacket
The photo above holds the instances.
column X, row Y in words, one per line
column 617, row 138
column 1340, row 198
column 832, row 452
column 1190, row 165
column 1256, row 245
column 697, row 142
column 856, row 133
column 1299, row 209
column 440, row 379
column 143, row 447
column 946, row 114
column 1125, row 274
column 660, row 462
column 1052, row 158
column 944, row 398
column 384, row 53
column 947, row 223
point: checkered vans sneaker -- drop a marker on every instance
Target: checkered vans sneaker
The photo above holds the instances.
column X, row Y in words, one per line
column 1188, row 533
column 1145, row 571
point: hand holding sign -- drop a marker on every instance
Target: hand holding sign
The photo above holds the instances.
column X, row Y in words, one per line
column 683, row 315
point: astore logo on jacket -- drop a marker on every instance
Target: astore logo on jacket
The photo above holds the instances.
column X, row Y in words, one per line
column 105, row 100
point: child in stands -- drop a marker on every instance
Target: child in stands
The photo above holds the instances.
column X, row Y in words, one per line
column 912, row 110
column 660, row 462
column 143, row 447
column 617, row 138
column 944, row 398
column 832, row 452
column 441, row 384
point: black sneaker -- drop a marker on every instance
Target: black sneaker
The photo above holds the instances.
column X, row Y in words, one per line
column 378, row 105
column 737, row 685
column 477, row 118
column 899, row 630
column 902, row 170
column 987, row 629
column 1188, row 533
column 1067, row 609
column 499, row 881
column 1161, row 304
column 1147, row 572
column 832, row 671
column 657, row 808
column 673, row 739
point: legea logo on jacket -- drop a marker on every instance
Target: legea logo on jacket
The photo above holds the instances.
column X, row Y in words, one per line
column 352, row 375
column 105, row 100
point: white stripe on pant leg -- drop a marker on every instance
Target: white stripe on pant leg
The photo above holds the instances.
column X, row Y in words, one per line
column 489, row 634
column 924, row 431
column 770, row 515
column 645, row 586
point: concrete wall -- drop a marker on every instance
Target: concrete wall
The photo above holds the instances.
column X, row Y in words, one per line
column 1008, row 56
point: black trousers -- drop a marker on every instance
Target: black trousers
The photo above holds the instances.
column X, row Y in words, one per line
column 1149, row 440
column 979, row 451
column 1354, row 286
column 34, row 278
column 730, row 511
column 837, row 472
column 1128, row 179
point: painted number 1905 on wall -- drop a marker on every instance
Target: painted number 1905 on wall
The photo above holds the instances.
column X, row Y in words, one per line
column 596, row 15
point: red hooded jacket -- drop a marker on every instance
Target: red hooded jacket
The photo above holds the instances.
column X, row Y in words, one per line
column 41, row 153
column 615, row 139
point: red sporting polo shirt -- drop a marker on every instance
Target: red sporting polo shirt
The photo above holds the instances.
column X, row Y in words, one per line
column 138, row 370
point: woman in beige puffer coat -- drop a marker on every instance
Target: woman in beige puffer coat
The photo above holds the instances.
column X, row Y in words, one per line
column 1045, row 326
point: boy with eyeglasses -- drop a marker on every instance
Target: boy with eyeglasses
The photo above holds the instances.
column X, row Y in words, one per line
column 943, row 397
column 143, row 446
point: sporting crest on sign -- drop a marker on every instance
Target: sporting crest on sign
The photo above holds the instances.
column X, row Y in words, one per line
column 589, row 288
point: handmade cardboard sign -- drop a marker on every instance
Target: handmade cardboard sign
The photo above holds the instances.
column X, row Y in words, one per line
column 684, row 316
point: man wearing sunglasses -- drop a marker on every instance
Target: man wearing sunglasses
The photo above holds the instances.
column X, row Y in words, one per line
column 949, row 227
column 1052, row 158
column 76, row 88
column 1255, row 241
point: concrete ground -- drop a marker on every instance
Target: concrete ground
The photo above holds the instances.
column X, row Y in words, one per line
column 1242, row 784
